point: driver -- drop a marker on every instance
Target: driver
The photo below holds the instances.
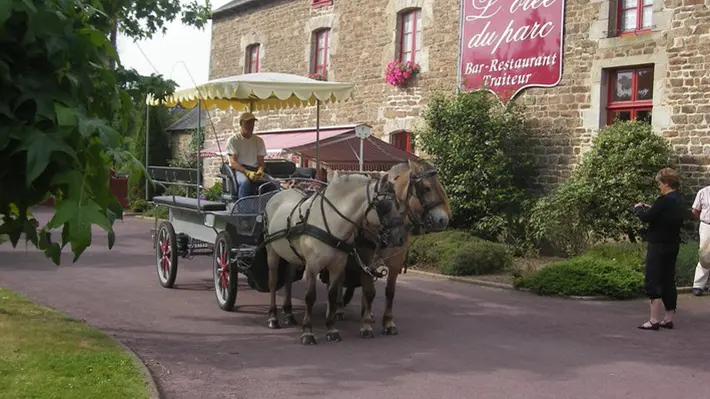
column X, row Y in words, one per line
column 246, row 155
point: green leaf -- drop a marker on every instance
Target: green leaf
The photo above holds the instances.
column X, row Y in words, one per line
column 65, row 115
column 5, row 11
column 78, row 219
column 50, row 249
column 40, row 146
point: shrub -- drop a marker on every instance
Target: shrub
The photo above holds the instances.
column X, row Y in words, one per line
column 686, row 263
column 458, row 253
column 483, row 154
column 631, row 255
column 585, row 276
column 617, row 172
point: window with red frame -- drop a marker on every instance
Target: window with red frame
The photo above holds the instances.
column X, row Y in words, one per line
column 410, row 35
column 630, row 94
column 320, row 3
column 635, row 16
column 403, row 141
column 252, row 61
column 320, row 52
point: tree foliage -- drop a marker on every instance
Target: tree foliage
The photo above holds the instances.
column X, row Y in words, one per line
column 596, row 202
column 142, row 19
column 482, row 151
column 61, row 109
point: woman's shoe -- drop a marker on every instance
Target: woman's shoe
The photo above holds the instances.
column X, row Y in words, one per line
column 667, row 324
column 650, row 326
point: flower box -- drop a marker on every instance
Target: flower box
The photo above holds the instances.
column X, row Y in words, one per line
column 399, row 73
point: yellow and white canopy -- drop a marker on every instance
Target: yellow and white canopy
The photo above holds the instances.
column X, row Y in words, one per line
column 263, row 91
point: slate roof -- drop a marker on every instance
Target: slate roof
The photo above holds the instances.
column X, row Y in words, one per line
column 236, row 4
column 189, row 121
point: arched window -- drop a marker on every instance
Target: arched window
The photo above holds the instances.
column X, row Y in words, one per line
column 402, row 140
column 319, row 50
column 251, row 64
column 409, row 35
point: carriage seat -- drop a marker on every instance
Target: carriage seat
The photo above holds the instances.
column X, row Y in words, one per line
column 190, row 203
column 304, row 173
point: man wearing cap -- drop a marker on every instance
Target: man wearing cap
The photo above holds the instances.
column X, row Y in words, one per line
column 246, row 155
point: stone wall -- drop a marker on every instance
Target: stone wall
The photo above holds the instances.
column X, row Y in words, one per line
column 363, row 42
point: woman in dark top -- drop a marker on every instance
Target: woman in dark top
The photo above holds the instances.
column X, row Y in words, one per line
column 665, row 219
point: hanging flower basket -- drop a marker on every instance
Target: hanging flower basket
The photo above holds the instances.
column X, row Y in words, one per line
column 317, row 76
column 398, row 73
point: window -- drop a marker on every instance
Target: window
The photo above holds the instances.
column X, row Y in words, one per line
column 635, row 16
column 252, row 60
column 630, row 94
column 321, row 43
column 410, row 35
column 403, row 141
column 320, row 3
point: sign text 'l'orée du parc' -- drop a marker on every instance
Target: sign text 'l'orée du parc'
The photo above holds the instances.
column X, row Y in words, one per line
column 510, row 45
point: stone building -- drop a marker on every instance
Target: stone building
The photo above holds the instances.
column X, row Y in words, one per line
column 641, row 59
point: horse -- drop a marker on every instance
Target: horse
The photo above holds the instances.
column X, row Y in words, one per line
column 426, row 209
column 322, row 237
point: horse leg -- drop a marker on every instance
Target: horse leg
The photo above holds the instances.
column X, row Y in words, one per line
column 389, row 328
column 340, row 305
column 287, row 308
column 273, row 260
column 368, row 295
column 335, row 289
column 307, row 337
column 348, row 296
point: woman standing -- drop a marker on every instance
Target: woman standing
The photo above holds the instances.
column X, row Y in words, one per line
column 665, row 219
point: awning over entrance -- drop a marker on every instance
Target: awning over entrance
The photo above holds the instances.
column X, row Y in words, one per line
column 339, row 148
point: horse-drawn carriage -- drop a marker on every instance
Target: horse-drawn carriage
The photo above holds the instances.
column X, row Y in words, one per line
column 276, row 235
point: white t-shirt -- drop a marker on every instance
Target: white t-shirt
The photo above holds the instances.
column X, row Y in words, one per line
column 702, row 203
column 246, row 150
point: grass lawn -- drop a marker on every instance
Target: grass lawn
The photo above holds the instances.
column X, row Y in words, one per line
column 45, row 354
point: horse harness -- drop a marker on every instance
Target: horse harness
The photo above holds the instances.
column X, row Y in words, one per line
column 417, row 223
column 326, row 236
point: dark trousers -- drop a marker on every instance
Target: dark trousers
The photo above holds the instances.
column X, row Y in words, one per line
column 660, row 272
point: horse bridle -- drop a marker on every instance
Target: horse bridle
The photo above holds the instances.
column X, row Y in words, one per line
column 415, row 181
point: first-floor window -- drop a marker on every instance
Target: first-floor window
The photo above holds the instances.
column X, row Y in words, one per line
column 403, row 141
column 252, row 61
column 630, row 94
column 321, row 44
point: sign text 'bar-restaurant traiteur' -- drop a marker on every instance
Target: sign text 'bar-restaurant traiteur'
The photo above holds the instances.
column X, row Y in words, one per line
column 510, row 45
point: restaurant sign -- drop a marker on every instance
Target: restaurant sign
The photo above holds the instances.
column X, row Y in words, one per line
column 510, row 45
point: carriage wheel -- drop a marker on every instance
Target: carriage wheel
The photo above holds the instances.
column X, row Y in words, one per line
column 224, row 272
column 166, row 254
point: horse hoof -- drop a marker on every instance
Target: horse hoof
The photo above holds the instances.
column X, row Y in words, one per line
column 339, row 316
column 290, row 320
column 308, row 339
column 391, row 330
column 274, row 324
column 367, row 334
column 333, row 336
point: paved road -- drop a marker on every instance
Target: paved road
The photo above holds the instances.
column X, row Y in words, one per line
column 456, row 340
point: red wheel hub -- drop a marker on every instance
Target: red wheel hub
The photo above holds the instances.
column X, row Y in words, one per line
column 223, row 264
column 165, row 255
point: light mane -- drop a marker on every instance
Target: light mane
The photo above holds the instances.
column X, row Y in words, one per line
column 347, row 180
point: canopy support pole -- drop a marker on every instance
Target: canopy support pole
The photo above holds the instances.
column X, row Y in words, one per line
column 318, row 138
column 147, row 135
column 199, row 148
column 362, row 141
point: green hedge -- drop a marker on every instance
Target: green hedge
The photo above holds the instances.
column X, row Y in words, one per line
column 585, row 276
column 612, row 270
column 458, row 253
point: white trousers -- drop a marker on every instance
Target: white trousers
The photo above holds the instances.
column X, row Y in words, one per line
column 702, row 274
